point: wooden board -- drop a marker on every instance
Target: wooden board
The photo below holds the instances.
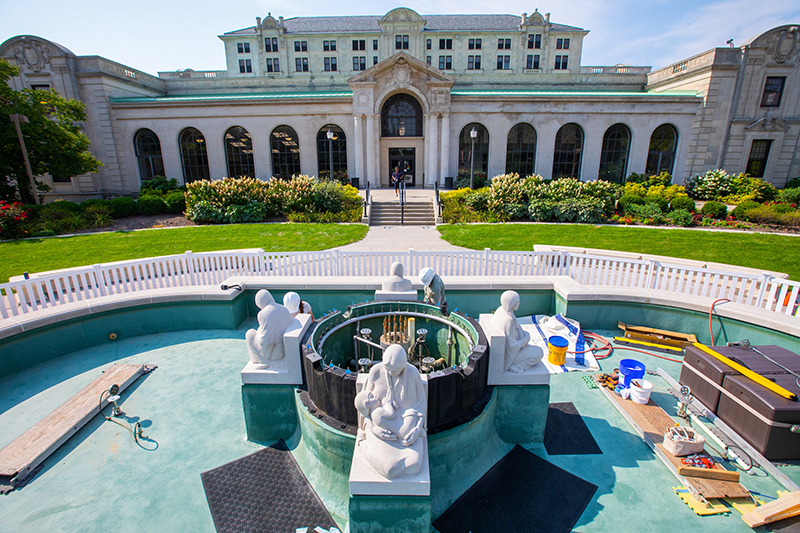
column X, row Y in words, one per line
column 784, row 507
column 36, row 444
column 658, row 336
column 653, row 422
column 709, row 473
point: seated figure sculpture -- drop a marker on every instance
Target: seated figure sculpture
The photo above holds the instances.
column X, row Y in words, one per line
column 396, row 282
column 394, row 407
column 265, row 344
column 434, row 289
column 520, row 354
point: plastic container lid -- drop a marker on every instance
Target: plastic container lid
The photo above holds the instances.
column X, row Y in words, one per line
column 558, row 341
column 631, row 365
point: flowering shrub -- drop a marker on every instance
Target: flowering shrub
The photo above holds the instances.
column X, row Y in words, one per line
column 715, row 209
column 587, row 210
column 213, row 201
column 12, row 218
column 506, row 190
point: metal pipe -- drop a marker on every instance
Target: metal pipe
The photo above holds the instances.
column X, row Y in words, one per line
column 378, row 346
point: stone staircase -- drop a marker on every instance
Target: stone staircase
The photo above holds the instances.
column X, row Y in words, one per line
column 388, row 214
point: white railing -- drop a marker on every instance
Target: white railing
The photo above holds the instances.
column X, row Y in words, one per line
column 43, row 291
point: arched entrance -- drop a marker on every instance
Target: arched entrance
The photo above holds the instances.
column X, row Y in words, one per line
column 402, row 138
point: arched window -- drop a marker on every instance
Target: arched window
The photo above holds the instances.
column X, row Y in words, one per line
column 662, row 150
column 567, row 152
column 401, row 116
column 239, row 152
column 614, row 155
column 481, row 152
column 521, row 150
column 336, row 147
column 285, row 148
column 194, row 155
column 148, row 154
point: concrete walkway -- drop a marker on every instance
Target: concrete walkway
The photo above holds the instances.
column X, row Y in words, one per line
column 401, row 238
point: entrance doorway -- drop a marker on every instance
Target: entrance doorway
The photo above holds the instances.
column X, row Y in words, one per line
column 404, row 158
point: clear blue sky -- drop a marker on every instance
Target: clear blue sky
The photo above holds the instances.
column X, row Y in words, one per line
column 174, row 34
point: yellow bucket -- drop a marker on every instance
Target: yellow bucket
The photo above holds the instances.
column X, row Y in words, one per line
column 557, row 350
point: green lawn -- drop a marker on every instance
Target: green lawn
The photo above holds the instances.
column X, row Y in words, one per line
column 37, row 255
column 764, row 251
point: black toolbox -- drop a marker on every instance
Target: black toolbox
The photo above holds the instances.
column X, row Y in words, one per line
column 773, row 442
column 696, row 361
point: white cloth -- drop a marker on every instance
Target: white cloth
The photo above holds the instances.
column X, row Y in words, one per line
column 562, row 326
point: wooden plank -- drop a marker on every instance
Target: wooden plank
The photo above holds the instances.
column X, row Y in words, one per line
column 708, row 473
column 653, row 422
column 784, row 507
column 35, row 445
column 658, row 336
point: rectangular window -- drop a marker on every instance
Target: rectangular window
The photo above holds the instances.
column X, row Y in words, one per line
column 273, row 65
column 532, row 62
column 328, row 46
column 301, row 46
column 359, row 44
column 473, row 62
column 243, row 48
column 559, row 44
column 428, row 44
column 301, row 64
column 566, row 44
column 534, row 41
column 330, row 64
column 401, row 42
column 445, row 62
column 359, row 63
column 374, row 60
column 773, row 91
column 562, row 62
column 504, row 44
column 757, row 163
column 245, row 66
column 375, row 44
column 428, row 60
column 42, row 87
column 503, row 62
column 271, row 44
column 475, row 44
column 445, row 44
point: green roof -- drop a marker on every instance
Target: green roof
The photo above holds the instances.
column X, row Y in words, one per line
column 534, row 92
column 241, row 96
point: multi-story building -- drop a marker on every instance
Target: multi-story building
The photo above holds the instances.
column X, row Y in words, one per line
column 438, row 95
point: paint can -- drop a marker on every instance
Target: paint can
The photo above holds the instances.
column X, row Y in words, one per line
column 640, row 390
column 630, row 369
column 557, row 350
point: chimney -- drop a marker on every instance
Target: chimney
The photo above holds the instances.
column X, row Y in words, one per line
column 524, row 19
column 280, row 22
column 258, row 22
column 547, row 18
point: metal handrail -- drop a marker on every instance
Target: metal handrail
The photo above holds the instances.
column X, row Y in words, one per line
column 366, row 199
column 436, row 196
column 402, row 201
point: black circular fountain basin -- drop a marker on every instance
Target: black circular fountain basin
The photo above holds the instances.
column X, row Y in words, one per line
column 457, row 387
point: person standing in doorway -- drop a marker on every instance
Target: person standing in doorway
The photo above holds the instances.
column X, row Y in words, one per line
column 397, row 178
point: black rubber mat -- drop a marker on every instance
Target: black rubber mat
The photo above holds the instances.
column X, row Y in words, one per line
column 522, row 492
column 263, row 492
column 566, row 433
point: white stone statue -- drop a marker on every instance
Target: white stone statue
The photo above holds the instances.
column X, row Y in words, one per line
column 396, row 282
column 394, row 407
column 265, row 344
column 520, row 354
column 292, row 302
column 433, row 288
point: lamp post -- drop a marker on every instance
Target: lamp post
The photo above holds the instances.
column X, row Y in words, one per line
column 330, row 149
column 16, row 118
column 473, row 134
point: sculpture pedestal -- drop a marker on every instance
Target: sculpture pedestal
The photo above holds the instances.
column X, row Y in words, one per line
column 389, row 514
column 286, row 371
column 538, row 375
column 364, row 481
column 521, row 413
column 394, row 296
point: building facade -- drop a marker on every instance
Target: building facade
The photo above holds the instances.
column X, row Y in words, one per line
column 439, row 95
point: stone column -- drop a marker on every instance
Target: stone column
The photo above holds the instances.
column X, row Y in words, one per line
column 370, row 145
column 426, row 145
column 433, row 156
column 444, row 152
column 358, row 142
column 376, row 149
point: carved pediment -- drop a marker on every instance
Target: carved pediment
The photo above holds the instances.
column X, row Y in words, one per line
column 32, row 53
column 536, row 18
column 402, row 14
column 403, row 70
column 269, row 23
column 784, row 47
column 768, row 123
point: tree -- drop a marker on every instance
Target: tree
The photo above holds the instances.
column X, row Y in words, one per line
column 53, row 137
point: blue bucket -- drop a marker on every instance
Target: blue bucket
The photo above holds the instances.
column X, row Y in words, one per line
column 629, row 369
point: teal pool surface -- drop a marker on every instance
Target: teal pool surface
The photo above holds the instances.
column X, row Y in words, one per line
column 192, row 407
